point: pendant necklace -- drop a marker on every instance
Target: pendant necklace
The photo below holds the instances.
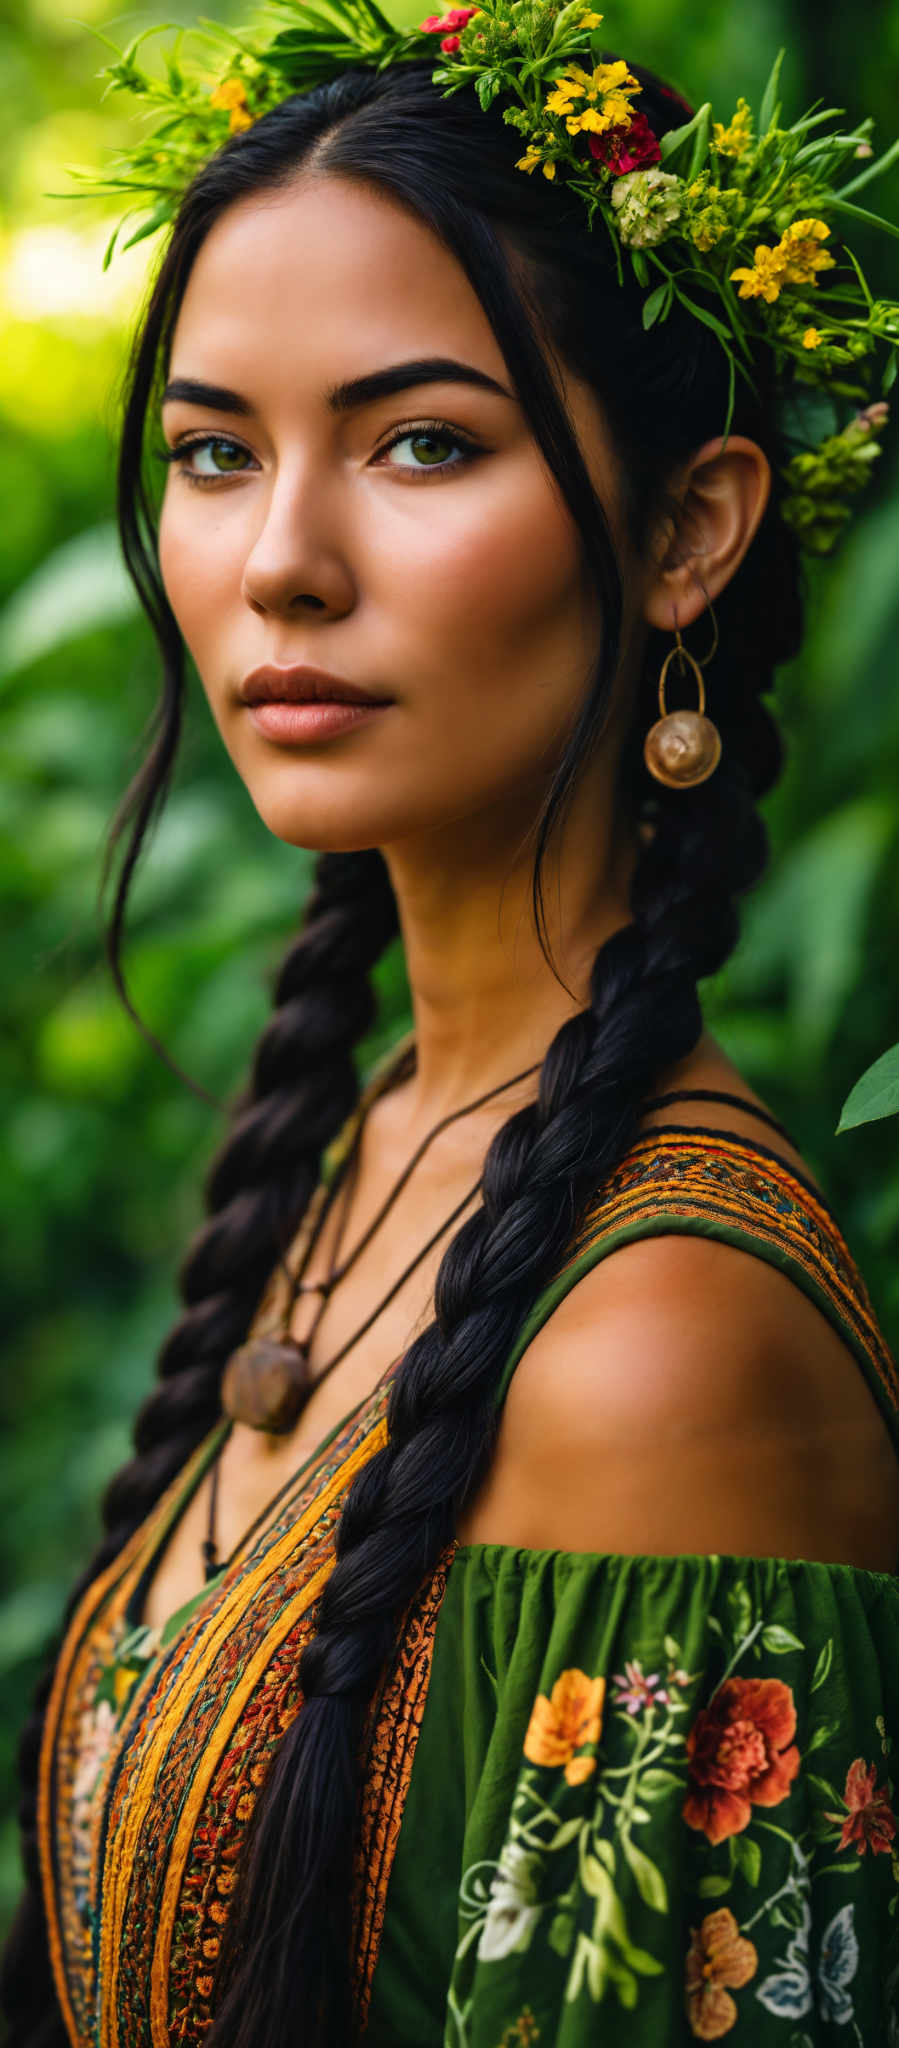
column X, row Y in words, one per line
column 267, row 1380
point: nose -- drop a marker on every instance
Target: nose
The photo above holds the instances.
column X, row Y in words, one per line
column 297, row 560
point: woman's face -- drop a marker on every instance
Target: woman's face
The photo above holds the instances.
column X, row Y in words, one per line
column 409, row 542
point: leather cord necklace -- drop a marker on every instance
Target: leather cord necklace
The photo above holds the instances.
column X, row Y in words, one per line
column 267, row 1380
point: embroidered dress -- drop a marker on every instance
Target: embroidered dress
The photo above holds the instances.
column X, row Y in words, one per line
column 605, row 1797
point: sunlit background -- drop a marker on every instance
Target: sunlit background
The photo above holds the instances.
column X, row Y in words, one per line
column 105, row 1149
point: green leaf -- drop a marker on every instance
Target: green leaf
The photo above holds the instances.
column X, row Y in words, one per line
column 749, row 1858
column 646, row 1874
column 675, row 139
column 822, row 1666
column 655, row 1782
column 700, row 141
column 652, row 306
column 779, row 1640
column 565, row 1834
column 874, row 170
column 825, row 1732
column 713, row 1887
column 875, row 1095
column 768, row 108
column 640, row 266
column 889, row 376
column 824, row 1786
column 871, row 220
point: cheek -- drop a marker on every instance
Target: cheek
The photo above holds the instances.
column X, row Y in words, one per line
column 200, row 555
column 495, row 598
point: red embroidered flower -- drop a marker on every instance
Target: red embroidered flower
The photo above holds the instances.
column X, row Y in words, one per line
column 738, row 1755
column 440, row 24
column 871, row 1823
column 629, row 147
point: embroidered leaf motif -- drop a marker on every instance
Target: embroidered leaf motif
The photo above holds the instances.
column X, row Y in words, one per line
column 713, row 1887
column 748, row 1857
column 647, row 1875
column 789, row 1995
column 780, row 1639
column 822, row 1667
column 837, row 1966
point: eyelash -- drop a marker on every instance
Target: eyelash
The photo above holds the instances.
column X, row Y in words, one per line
column 440, row 429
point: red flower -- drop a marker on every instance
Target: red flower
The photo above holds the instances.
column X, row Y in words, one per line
column 738, row 1755
column 871, row 1823
column 629, row 147
column 442, row 25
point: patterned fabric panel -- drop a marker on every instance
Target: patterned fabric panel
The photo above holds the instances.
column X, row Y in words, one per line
column 712, row 1185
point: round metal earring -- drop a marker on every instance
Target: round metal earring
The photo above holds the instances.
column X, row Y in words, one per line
column 683, row 748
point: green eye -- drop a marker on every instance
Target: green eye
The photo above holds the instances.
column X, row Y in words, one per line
column 225, row 456
column 424, row 446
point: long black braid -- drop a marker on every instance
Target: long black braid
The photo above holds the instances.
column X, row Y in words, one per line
column 286, row 1946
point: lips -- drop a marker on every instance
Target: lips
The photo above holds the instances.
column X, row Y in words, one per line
column 302, row 685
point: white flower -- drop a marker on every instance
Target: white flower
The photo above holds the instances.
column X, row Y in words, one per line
column 648, row 204
column 512, row 1913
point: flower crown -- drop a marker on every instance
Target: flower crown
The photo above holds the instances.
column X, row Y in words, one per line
column 739, row 216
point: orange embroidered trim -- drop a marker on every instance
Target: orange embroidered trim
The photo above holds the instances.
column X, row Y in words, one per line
column 394, row 1726
column 121, row 1842
column 720, row 1177
column 125, row 1568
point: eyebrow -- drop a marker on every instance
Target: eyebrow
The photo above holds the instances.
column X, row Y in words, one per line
column 358, row 391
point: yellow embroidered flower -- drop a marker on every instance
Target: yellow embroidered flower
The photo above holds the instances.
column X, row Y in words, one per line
column 765, row 279
column 231, row 97
column 612, row 85
column 735, row 139
column 811, row 338
column 802, row 256
column 571, row 1717
column 123, row 1682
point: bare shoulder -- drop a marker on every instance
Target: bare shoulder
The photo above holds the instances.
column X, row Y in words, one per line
column 686, row 1396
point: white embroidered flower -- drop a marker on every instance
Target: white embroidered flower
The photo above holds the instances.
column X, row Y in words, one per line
column 648, row 203
column 512, row 1913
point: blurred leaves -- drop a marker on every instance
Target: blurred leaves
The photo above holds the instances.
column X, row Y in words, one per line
column 105, row 1150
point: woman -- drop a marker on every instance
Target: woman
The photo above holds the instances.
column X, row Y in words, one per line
column 444, row 1686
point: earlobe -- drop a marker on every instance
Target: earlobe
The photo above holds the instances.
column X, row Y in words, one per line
column 722, row 494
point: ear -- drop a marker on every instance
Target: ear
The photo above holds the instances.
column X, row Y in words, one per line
column 721, row 495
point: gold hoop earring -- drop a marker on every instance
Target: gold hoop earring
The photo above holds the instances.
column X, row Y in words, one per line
column 683, row 748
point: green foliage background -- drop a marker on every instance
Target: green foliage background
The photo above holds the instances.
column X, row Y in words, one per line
column 105, row 1150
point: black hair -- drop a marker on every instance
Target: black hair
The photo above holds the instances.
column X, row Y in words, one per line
column 550, row 291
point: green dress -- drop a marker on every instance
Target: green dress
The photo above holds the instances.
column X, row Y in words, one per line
column 605, row 1798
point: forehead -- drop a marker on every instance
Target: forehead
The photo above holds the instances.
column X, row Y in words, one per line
column 325, row 275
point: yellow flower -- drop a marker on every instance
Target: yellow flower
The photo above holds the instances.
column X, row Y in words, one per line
column 530, row 160
column 766, row 278
column 571, row 1717
column 231, row 96
column 811, row 338
column 549, row 170
column 610, row 84
column 589, row 19
column 735, row 139
column 802, row 257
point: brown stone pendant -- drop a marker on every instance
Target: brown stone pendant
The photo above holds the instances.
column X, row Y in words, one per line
column 266, row 1383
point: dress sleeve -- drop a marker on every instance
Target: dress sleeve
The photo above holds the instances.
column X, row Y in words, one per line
column 652, row 1802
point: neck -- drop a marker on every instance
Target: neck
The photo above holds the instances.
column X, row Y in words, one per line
column 486, row 1002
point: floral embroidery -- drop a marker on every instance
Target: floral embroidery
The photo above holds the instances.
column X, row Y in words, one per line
column 571, row 1717
column 739, row 1755
column 871, row 1823
column 718, row 1956
column 514, row 1907
column 636, row 1692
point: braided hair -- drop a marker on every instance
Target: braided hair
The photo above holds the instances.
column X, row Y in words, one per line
column 549, row 289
